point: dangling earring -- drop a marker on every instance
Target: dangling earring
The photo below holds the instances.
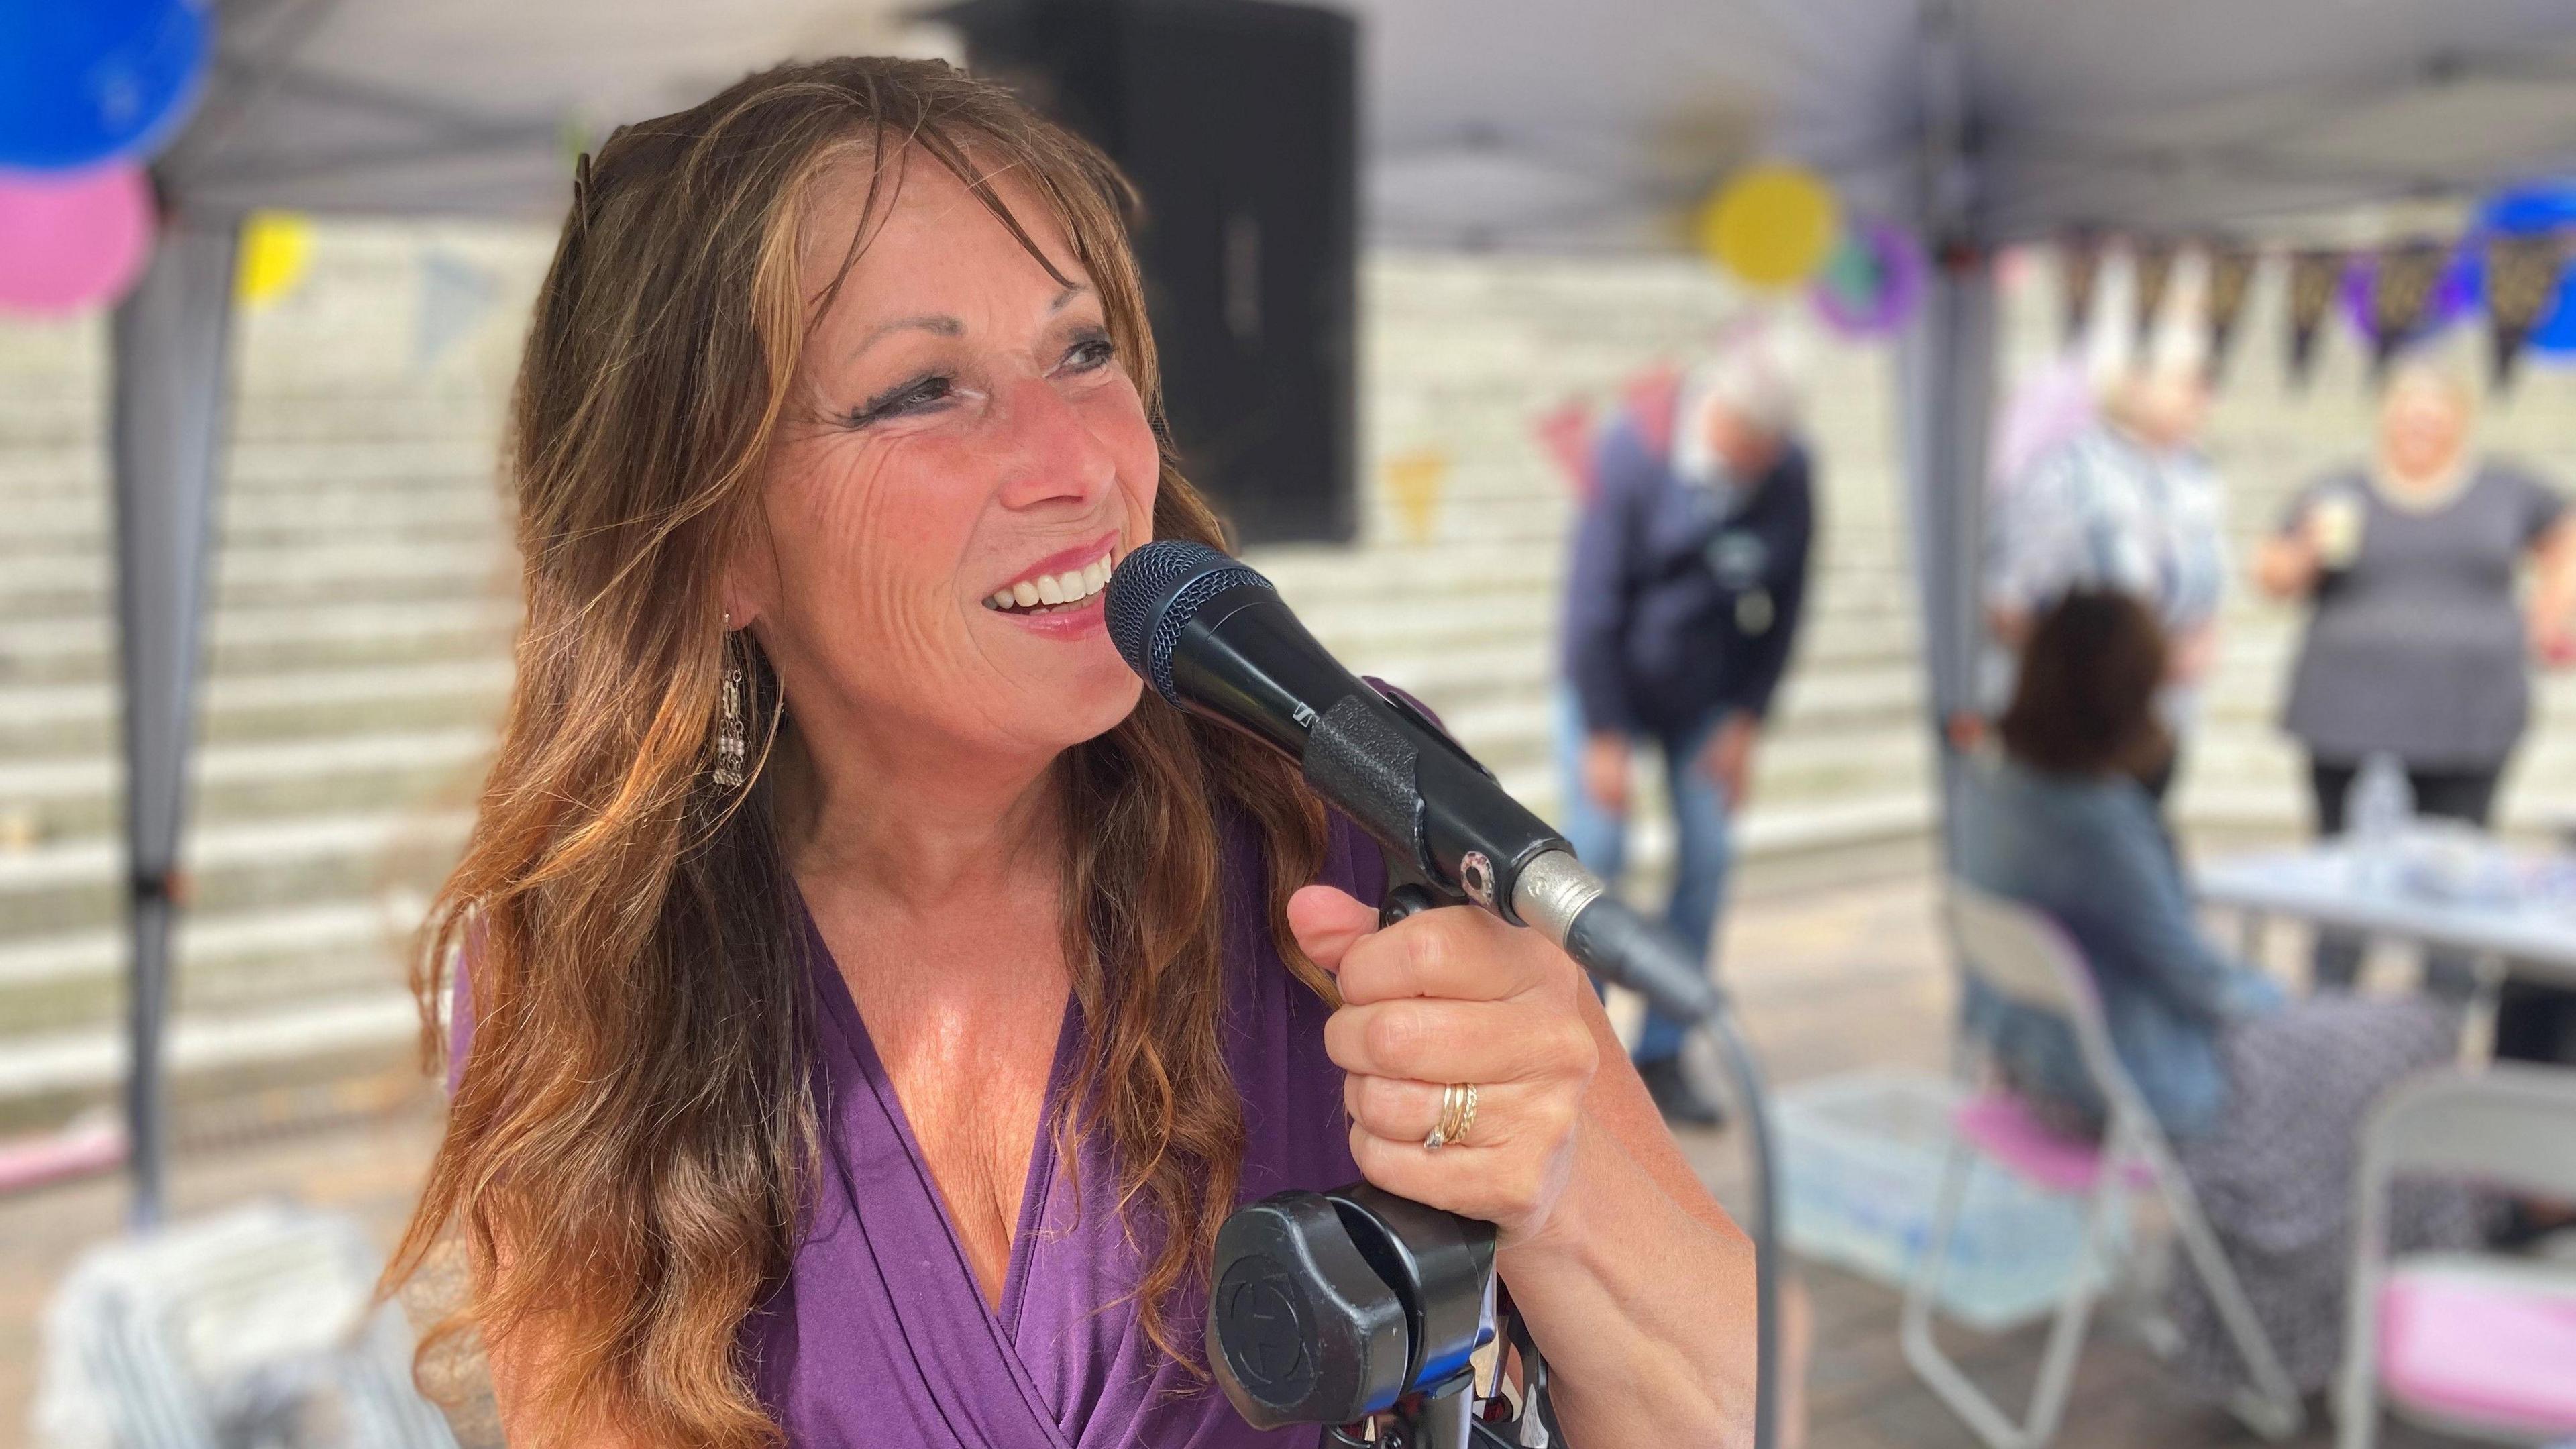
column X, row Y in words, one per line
column 732, row 747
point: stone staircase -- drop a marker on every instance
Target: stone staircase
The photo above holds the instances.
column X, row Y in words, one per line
column 357, row 651
column 359, row 641
column 358, row 644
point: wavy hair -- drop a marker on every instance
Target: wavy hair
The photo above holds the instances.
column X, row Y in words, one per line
column 632, row 1135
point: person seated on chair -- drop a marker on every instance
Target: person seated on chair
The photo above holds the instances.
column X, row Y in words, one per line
column 2262, row 1098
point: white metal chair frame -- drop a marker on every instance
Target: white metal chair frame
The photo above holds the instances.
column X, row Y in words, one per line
column 2022, row 955
column 2508, row 1126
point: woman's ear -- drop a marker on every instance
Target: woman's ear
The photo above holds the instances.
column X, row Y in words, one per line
column 749, row 582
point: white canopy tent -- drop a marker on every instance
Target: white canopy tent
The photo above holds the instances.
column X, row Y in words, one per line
column 1561, row 124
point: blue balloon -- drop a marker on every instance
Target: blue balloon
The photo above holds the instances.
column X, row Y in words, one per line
column 2526, row 210
column 2556, row 332
column 89, row 81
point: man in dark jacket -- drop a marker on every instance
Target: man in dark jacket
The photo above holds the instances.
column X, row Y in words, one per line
column 1688, row 578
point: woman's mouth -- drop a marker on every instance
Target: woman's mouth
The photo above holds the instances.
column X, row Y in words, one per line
column 1060, row 591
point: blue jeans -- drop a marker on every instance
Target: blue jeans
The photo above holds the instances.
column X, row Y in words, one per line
column 1600, row 839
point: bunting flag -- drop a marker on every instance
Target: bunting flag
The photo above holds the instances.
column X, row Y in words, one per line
column 2401, row 296
column 455, row 296
column 2522, row 285
column 2231, row 275
column 2314, row 277
column 2155, row 264
column 1415, row 480
column 2079, row 261
column 1565, row 431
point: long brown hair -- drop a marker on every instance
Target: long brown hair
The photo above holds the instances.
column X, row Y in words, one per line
column 632, row 1136
column 2085, row 701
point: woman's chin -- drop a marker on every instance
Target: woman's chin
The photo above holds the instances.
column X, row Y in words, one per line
column 1082, row 707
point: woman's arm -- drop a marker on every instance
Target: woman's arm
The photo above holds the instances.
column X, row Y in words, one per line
column 2553, row 593
column 1641, row 1291
column 2286, row 565
column 1634, row 1282
column 2147, row 910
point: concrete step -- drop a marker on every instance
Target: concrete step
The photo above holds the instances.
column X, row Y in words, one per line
column 227, row 962
column 77, row 884
column 293, row 576
column 43, row 720
column 82, row 524
column 83, row 795
column 1794, row 765
column 464, row 462
column 1836, row 688
column 266, row 419
column 276, row 639
column 46, row 1079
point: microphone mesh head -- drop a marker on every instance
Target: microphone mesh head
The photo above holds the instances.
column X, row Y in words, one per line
column 1154, row 594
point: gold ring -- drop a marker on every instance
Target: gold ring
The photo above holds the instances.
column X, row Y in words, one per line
column 1457, row 1116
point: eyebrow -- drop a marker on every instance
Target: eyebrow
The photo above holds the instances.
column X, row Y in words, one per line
column 942, row 325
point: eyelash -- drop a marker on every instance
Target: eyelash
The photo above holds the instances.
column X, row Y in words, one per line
column 1090, row 352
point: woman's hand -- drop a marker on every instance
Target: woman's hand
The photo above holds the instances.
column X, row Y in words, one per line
column 1455, row 996
column 2553, row 595
column 2287, row 565
column 1727, row 758
column 1605, row 770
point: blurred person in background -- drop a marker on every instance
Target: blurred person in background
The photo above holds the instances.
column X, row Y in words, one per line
column 2417, row 645
column 1688, row 580
column 2129, row 503
column 2263, row 1098
column 868, row 1000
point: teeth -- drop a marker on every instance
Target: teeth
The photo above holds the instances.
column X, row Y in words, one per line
column 1070, row 587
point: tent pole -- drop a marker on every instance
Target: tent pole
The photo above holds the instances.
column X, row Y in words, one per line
column 166, row 432
column 1946, row 371
column 1946, row 383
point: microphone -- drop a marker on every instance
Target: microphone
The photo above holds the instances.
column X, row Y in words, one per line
column 1213, row 637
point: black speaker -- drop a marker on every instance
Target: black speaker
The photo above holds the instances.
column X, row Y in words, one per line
column 1238, row 122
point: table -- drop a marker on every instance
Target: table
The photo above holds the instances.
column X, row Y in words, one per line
column 2535, row 939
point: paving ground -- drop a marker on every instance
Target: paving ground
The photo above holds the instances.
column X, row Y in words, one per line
column 1836, row 969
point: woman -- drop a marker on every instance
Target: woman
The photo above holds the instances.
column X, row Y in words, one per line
column 2416, row 645
column 2264, row 1101
column 870, row 1005
column 2131, row 503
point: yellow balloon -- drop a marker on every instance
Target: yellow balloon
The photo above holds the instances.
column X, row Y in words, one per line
column 1772, row 225
column 274, row 248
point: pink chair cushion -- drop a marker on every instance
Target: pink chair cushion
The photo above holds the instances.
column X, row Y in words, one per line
column 2003, row 1127
column 2492, row 1343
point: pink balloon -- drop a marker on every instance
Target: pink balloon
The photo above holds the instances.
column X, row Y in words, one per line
column 70, row 240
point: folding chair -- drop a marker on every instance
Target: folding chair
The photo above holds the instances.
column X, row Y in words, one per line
column 2479, row 1346
column 2024, row 957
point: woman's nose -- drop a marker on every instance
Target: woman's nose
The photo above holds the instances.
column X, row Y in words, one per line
column 1050, row 453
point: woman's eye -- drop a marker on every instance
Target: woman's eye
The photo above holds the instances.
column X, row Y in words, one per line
column 919, row 395
column 1090, row 353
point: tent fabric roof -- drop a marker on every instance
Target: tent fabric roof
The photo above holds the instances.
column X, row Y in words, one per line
column 1544, row 123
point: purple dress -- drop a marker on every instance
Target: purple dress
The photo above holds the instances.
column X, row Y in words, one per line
column 881, row 1336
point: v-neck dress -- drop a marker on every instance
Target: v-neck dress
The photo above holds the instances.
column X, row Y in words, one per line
column 881, row 1335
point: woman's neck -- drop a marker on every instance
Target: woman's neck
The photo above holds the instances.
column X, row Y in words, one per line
column 918, row 826
column 2421, row 489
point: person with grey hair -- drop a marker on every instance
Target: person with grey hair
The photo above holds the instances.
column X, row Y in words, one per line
column 2128, row 504
column 1688, row 579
